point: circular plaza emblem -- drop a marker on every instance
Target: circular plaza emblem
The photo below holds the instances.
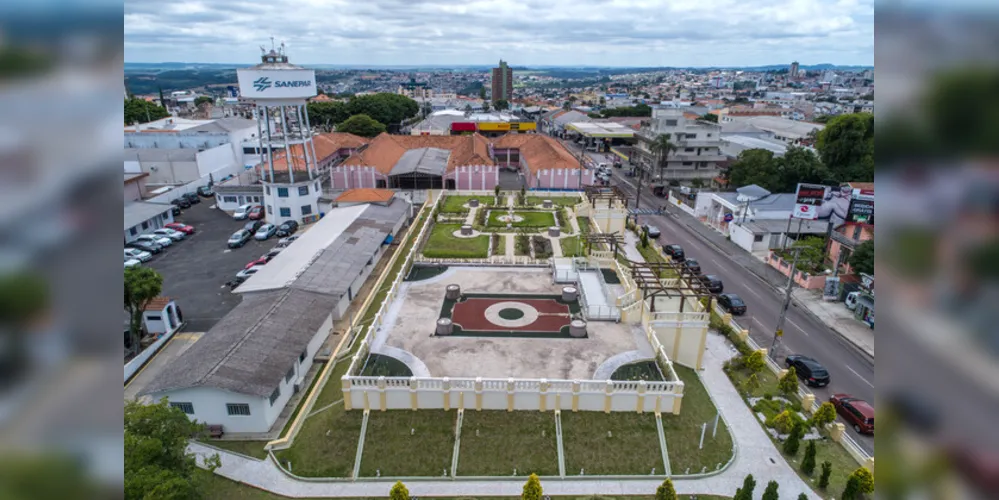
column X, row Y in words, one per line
column 511, row 314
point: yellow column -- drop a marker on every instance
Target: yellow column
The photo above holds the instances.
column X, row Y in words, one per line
column 836, row 431
column 807, row 402
column 743, row 334
column 412, row 393
column 676, row 343
column 869, row 464
column 677, row 403
column 345, row 385
column 781, row 374
column 509, row 394
column 447, row 393
column 382, row 397
column 544, row 395
column 700, row 352
column 575, row 395
column 640, row 405
column 478, row 393
column 608, row 390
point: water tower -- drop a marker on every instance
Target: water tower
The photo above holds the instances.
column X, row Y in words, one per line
column 289, row 169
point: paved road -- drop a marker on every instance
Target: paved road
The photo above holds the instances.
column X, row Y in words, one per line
column 851, row 371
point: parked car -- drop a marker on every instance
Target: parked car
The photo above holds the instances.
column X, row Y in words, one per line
column 258, row 262
column 181, row 202
column 233, row 283
column 265, row 231
column 857, row 412
column 140, row 255
column 674, row 251
column 192, row 198
column 246, row 273
column 851, row 300
column 273, row 252
column 652, row 230
column 712, row 283
column 239, row 238
column 732, row 304
column 176, row 226
column 287, row 228
column 146, row 246
column 256, row 213
column 283, row 242
column 162, row 241
column 206, row 192
column 131, row 262
column 175, row 210
column 630, row 173
column 809, row 370
column 253, row 225
column 693, row 266
column 170, row 233
column 243, row 211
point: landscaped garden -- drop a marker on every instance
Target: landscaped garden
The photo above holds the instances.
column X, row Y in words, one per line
column 618, row 443
column 494, row 443
column 640, row 370
column 379, row 365
column 408, row 443
column 572, row 247
column 683, row 431
column 443, row 244
column 453, row 204
column 558, row 201
column 522, row 218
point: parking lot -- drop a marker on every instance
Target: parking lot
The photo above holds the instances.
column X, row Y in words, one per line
column 196, row 269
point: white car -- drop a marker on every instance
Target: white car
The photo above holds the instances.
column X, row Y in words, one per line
column 139, row 255
column 162, row 241
column 170, row 233
column 242, row 212
column 131, row 263
column 246, row 273
column 283, row 242
column 265, row 231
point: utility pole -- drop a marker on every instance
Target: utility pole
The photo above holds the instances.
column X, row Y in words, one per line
column 638, row 194
column 779, row 332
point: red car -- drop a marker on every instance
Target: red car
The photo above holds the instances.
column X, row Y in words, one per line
column 857, row 412
column 256, row 213
column 184, row 228
column 259, row 262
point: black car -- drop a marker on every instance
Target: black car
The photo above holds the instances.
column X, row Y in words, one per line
column 253, row 225
column 693, row 266
column 206, row 192
column 732, row 303
column 674, row 251
column 175, row 210
column 181, row 202
column 148, row 246
column 192, row 198
column 233, row 283
column 809, row 370
column 712, row 283
column 652, row 230
column 287, row 228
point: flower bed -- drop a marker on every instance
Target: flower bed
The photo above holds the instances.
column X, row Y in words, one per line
column 443, row 244
column 529, row 219
column 542, row 247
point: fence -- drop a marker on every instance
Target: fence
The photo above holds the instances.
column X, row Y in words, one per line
column 133, row 366
column 192, row 187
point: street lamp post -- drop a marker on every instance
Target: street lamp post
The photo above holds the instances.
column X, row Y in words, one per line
column 779, row 332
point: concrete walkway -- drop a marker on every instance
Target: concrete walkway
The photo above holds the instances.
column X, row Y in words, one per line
column 511, row 247
column 837, row 317
column 631, row 247
column 571, row 214
column 755, row 455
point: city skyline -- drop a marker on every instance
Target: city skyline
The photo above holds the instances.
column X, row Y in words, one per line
column 557, row 33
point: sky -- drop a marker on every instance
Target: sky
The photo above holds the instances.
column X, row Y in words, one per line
column 523, row 32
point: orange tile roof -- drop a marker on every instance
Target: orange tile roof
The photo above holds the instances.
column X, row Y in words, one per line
column 862, row 185
column 157, row 304
column 321, row 98
column 365, row 195
column 326, row 145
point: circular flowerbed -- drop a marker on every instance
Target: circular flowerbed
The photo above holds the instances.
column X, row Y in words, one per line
column 511, row 313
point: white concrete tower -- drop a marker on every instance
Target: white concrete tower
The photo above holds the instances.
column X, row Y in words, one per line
column 289, row 169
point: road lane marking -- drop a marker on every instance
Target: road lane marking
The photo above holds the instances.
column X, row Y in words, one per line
column 802, row 330
column 858, row 376
column 750, row 290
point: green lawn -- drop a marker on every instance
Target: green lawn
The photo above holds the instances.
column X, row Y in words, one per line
column 640, row 370
column 253, row 449
column 442, row 243
column 408, row 443
column 327, row 443
column 572, row 247
column 452, row 204
column 584, row 225
column 531, row 219
column 683, row 431
column 502, row 440
column 632, row 447
column 559, row 201
column 380, row 365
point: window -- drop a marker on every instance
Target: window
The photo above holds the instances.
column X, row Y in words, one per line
column 709, row 136
column 303, row 190
column 688, row 163
column 132, row 231
column 237, row 409
column 274, row 395
column 317, row 185
column 856, row 232
column 145, row 225
column 301, row 357
column 670, row 123
column 153, row 317
column 285, row 212
column 689, row 150
column 270, row 211
column 757, row 238
column 187, row 408
column 282, row 192
column 290, row 374
column 229, row 199
column 306, row 209
column 267, row 189
column 256, row 199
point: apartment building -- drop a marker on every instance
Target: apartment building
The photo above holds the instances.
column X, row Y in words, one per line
column 698, row 143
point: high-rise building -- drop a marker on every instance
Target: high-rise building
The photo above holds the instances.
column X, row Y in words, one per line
column 794, row 70
column 502, row 82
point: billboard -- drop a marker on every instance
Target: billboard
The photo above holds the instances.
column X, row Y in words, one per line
column 836, row 204
column 277, row 84
column 494, row 126
column 861, row 207
column 808, row 198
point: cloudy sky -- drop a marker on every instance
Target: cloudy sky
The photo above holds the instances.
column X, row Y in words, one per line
column 523, row 32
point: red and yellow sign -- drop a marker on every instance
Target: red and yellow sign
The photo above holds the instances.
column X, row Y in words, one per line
column 506, row 126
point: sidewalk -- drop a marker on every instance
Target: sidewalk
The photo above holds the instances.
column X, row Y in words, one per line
column 837, row 317
column 755, row 454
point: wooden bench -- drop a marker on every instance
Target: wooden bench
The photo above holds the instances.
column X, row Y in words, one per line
column 215, row 431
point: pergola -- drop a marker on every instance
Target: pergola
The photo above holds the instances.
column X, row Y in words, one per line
column 648, row 279
column 596, row 194
column 613, row 241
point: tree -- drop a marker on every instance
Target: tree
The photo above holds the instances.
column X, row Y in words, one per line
column 204, row 99
column 645, row 239
column 325, row 115
column 143, row 111
column 496, row 192
column 142, row 285
column 826, row 414
column 971, row 134
column 812, row 254
column 386, row 108
column 501, row 105
column 567, row 105
column 468, row 108
column 793, row 441
column 697, row 183
column 532, row 488
column 482, row 93
column 666, row 491
column 661, row 147
column 865, row 480
column 800, row 165
column 862, row 259
column 802, row 496
column 710, row 117
column 399, row 491
column 755, row 362
column 846, row 147
column 746, row 492
column 485, row 106
column 754, row 166
column 362, row 125
column 824, row 476
column 788, row 384
column 157, row 464
column 808, row 462
column 770, row 493
column 852, row 489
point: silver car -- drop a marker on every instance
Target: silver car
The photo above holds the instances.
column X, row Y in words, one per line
column 265, row 231
column 139, row 255
column 170, row 233
column 162, row 241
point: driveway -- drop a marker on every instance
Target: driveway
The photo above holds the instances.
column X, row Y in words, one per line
column 196, row 269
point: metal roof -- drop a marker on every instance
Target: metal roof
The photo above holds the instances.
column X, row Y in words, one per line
column 140, row 211
column 429, row 161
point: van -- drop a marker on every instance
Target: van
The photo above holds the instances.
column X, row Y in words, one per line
column 602, row 166
column 851, row 300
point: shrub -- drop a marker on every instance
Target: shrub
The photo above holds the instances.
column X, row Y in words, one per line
column 755, row 362
column 793, row 441
column 666, row 491
column 767, row 396
column 865, row 480
column 783, row 422
column 542, row 247
column 532, row 488
column 645, row 239
column 771, row 492
column 788, row 384
column 824, row 476
column 808, row 462
column 802, row 496
column 480, row 216
column 746, row 492
column 752, row 382
column 826, row 414
column 399, row 491
column 522, row 244
column 494, row 241
column 560, row 216
column 852, row 489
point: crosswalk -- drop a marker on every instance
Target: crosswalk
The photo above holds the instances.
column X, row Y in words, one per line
column 645, row 211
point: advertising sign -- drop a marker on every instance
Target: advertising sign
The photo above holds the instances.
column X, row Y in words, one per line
column 808, row 199
column 494, row 126
column 277, row 84
column 861, row 207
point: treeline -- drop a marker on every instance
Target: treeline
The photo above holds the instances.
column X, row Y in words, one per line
column 388, row 110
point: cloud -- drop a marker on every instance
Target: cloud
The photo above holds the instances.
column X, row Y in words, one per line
column 527, row 32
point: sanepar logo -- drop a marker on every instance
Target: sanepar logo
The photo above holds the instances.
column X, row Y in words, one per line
column 293, row 83
column 263, row 83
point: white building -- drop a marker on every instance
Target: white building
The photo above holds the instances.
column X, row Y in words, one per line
column 790, row 132
column 698, row 147
column 756, row 224
column 245, row 369
column 143, row 217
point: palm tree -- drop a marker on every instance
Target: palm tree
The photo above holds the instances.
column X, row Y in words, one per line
column 662, row 147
